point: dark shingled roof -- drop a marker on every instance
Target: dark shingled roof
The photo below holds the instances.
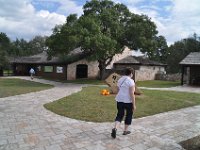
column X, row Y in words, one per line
column 35, row 59
column 139, row 61
column 191, row 59
column 42, row 58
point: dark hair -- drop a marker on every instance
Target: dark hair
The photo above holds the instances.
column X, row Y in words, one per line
column 128, row 71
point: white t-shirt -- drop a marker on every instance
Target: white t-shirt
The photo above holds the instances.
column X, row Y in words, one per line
column 124, row 84
column 32, row 71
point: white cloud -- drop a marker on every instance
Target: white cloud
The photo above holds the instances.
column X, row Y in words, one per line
column 129, row 2
column 68, row 7
column 64, row 7
column 182, row 20
column 19, row 19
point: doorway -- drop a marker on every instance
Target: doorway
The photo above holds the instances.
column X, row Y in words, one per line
column 81, row 71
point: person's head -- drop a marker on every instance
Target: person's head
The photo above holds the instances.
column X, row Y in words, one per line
column 129, row 71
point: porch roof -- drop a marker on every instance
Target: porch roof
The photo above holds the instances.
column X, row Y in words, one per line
column 139, row 61
column 192, row 59
column 42, row 58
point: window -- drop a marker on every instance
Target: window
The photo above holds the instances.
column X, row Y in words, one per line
column 48, row 68
column 59, row 69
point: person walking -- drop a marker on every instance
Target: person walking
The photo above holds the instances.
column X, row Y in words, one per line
column 125, row 101
column 32, row 72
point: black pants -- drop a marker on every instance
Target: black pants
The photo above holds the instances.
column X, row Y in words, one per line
column 122, row 107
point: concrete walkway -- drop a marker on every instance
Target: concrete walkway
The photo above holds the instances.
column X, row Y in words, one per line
column 184, row 88
column 26, row 125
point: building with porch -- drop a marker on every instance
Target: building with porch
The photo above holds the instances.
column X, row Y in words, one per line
column 190, row 67
column 145, row 69
column 73, row 67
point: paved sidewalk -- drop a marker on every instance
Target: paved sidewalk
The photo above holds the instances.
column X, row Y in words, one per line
column 184, row 88
column 26, row 125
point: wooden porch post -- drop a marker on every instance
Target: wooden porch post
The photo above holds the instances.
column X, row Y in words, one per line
column 182, row 74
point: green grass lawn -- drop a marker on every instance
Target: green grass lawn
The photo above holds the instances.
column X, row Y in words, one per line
column 87, row 81
column 10, row 87
column 158, row 83
column 89, row 105
column 80, row 81
column 151, row 83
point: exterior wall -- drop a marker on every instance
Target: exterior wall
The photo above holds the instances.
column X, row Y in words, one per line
column 142, row 73
column 117, row 57
column 23, row 69
column 69, row 71
column 123, row 66
column 93, row 69
column 148, row 72
column 191, row 75
column 40, row 71
column 168, row 77
column 194, row 75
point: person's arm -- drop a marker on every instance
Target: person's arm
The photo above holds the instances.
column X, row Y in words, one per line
column 118, row 85
column 117, row 90
column 131, row 91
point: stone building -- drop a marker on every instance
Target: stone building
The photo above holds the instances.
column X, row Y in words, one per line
column 145, row 69
column 90, row 69
column 53, row 68
column 191, row 69
column 75, row 66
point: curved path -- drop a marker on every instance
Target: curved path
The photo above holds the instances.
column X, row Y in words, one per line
column 184, row 88
column 26, row 125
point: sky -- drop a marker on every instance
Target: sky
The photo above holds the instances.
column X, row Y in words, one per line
column 175, row 19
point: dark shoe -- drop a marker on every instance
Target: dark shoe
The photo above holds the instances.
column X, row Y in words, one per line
column 113, row 134
column 126, row 132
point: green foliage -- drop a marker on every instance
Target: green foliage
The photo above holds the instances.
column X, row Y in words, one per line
column 160, row 50
column 37, row 45
column 179, row 50
column 103, row 31
column 64, row 37
column 140, row 33
column 11, row 87
column 21, row 47
column 4, row 46
column 158, row 84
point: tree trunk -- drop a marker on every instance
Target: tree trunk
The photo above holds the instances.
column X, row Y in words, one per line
column 102, row 68
column 1, row 71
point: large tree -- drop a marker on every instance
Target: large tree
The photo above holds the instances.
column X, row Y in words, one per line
column 102, row 31
column 37, row 45
column 64, row 38
column 160, row 51
column 21, row 47
column 179, row 50
column 4, row 46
